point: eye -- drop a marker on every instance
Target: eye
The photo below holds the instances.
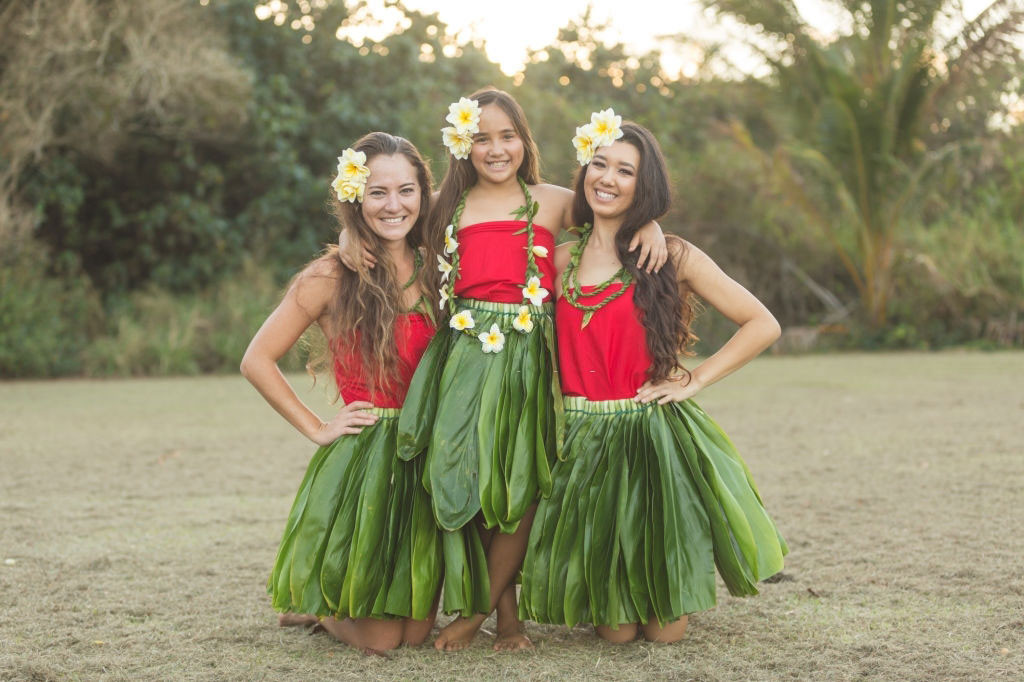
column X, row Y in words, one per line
column 509, row 136
column 376, row 194
column 597, row 163
column 626, row 171
column 408, row 190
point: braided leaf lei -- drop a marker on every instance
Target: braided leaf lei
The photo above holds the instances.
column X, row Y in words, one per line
column 493, row 340
column 571, row 280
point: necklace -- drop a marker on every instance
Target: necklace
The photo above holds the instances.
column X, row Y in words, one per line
column 450, row 271
column 571, row 288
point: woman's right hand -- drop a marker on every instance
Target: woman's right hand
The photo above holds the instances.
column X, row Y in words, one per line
column 350, row 419
column 347, row 245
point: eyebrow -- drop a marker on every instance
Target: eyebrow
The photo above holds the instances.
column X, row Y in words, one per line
column 402, row 186
column 500, row 132
column 601, row 156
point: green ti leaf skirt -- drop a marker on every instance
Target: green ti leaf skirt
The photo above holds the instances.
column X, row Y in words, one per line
column 360, row 540
column 649, row 499
column 487, row 427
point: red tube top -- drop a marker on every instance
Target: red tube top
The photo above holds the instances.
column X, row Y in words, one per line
column 413, row 332
column 492, row 261
column 607, row 360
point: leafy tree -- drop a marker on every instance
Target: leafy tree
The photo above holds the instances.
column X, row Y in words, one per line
column 864, row 114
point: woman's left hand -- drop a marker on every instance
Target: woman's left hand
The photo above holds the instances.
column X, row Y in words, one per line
column 672, row 390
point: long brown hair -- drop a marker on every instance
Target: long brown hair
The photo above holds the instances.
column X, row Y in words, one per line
column 666, row 312
column 461, row 174
column 367, row 301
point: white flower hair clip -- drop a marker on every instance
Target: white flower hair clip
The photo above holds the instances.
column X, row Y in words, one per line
column 604, row 128
column 464, row 117
column 350, row 183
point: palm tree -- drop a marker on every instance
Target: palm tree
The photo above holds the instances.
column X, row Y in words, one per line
column 864, row 110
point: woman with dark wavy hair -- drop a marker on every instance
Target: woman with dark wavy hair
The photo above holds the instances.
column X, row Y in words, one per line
column 361, row 553
column 651, row 494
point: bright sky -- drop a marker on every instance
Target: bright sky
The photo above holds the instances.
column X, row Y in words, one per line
column 511, row 29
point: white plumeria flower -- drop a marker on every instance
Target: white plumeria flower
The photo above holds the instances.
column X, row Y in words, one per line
column 534, row 291
column 348, row 191
column 444, row 267
column 462, row 320
column 464, row 115
column 584, row 144
column 444, row 298
column 493, row 340
column 540, row 251
column 450, row 243
column 352, row 165
column 459, row 144
column 606, row 127
column 523, row 321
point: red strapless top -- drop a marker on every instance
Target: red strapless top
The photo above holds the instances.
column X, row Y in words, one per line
column 492, row 261
column 413, row 332
column 607, row 360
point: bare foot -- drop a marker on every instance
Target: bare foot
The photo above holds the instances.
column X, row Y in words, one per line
column 288, row 620
column 458, row 634
column 513, row 639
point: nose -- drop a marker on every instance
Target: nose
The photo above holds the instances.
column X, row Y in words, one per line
column 392, row 203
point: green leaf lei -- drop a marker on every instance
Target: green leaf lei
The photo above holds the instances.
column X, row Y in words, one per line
column 571, row 280
column 526, row 212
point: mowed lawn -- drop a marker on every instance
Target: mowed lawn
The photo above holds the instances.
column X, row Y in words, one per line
column 139, row 520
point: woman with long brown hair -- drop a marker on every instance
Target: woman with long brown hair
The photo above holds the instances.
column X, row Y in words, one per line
column 361, row 553
column 651, row 494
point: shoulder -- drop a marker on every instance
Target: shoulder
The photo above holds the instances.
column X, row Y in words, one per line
column 318, row 282
column 552, row 193
column 563, row 253
column 689, row 260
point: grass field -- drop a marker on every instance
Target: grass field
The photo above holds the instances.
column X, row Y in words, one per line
column 139, row 520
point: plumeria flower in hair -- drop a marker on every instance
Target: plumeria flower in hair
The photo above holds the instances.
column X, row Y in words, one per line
column 604, row 128
column 350, row 182
column 464, row 117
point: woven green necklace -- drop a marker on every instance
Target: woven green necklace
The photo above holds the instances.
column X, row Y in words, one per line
column 571, row 288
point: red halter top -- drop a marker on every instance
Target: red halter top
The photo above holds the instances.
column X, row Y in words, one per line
column 608, row 359
column 492, row 260
column 413, row 332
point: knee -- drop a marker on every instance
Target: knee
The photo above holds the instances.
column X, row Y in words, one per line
column 667, row 634
column 625, row 633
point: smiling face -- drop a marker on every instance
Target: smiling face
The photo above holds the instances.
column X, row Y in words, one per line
column 610, row 182
column 497, row 148
column 391, row 203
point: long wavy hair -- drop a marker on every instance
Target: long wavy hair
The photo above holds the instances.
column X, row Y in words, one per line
column 367, row 301
column 666, row 310
column 461, row 174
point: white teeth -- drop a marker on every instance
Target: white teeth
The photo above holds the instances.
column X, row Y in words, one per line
column 604, row 196
column 392, row 221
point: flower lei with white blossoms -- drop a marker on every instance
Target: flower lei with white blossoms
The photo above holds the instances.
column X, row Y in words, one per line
column 604, row 128
column 350, row 183
column 464, row 117
column 493, row 340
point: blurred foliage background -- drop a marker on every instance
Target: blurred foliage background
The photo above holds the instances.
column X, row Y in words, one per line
column 164, row 165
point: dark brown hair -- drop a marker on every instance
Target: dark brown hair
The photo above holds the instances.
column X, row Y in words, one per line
column 367, row 301
column 461, row 174
column 666, row 311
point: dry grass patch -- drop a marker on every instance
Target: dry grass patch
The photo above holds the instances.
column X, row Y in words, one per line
column 142, row 516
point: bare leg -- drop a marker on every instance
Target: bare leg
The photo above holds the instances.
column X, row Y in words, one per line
column 504, row 557
column 287, row 620
column 672, row 632
column 415, row 632
column 511, row 636
column 626, row 632
column 369, row 635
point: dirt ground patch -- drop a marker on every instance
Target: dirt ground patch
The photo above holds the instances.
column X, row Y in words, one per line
column 139, row 520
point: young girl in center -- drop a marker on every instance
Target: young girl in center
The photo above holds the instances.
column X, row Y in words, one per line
column 484, row 408
column 361, row 553
column 651, row 494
